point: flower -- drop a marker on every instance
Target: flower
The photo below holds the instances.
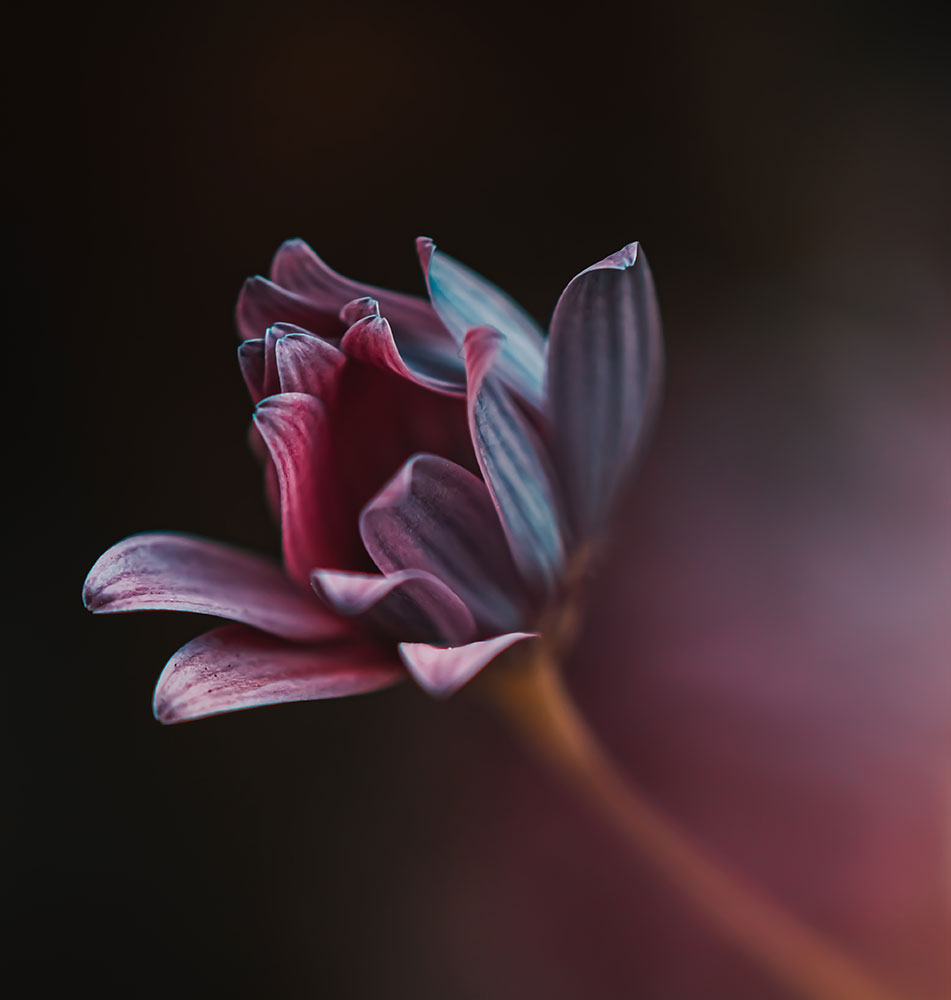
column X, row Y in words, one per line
column 440, row 470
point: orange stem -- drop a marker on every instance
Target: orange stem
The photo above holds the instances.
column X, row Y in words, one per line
column 532, row 695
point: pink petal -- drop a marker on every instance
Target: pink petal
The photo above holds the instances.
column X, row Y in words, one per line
column 251, row 363
column 359, row 309
column 514, row 464
column 436, row 516
column 371, row 339
column 297, row 268
column 443, row 670
column 605, row 367
column 295, row 429
column 323, row 355
column 465, row 300
column 306, row 363
column 411, row 604
column 163, row 571
column 261, row 304
column 237, row 667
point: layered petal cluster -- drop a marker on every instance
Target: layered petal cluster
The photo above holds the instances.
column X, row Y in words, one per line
column 438, row 467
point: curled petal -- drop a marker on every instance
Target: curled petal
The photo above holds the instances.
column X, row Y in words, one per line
column 439, row 368
column 295, row 429
column 605, row 366
column 237, row 667
column 297, row 268
column 443, row 670
column 465, row 300
column 411, row 604
column 436, row 516
column 515, row 465
column 162, row 571
column 262, row 303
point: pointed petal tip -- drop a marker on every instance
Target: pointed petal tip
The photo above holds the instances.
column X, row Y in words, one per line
column 425, row 248
column 357, row 309
column 443, row 670
column 622, row 259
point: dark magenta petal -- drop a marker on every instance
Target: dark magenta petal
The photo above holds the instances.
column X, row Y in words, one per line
column 411, row 604
column 251, row 363
column 295, row 429
column 605, row 367
column 309, row 364
column 162, row 571
column 514, row 464
column 465, row 300
column 238, row 667
column 261, row 304
column 380, row 421
column 436, row 516
column 443, row 670
column 371, row 339
column 296, row 267
column 359, row 309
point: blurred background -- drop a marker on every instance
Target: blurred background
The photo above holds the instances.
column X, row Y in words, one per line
column 767, row 652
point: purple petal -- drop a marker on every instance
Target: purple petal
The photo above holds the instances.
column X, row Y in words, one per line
column 465, row 300
column 436, row 516
column 295, row 429
column 411, row 604
column 605, row 367
column 237, row 667
column 443, row 670
column 306, row 363
column 163, row 571
column 261, row 304
column 514, row 464
column 371, row 339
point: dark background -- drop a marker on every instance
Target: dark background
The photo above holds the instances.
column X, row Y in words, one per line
column 769, row 649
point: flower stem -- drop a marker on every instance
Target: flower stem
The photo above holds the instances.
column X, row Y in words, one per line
column 530, row 693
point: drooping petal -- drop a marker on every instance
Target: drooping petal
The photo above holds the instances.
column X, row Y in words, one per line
column 251, row 363
column 411, row 604
column 436, row 516
column 296, row 430
column 443, row 670
column 262, row 303
column 605, row 365
column 465, row 300
column 297, row 268
column 514, row 463
column 306, row 363
column 163, row 571
column 371, row 339
column 238, row 667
